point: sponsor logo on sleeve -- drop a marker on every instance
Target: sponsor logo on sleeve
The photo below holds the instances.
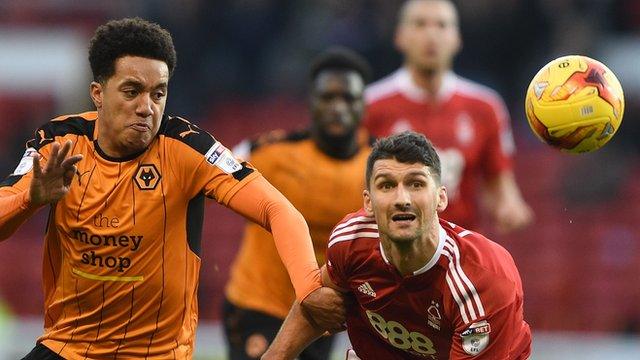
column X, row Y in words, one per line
column 26, row 163
column 476, row 337
column 221, row 157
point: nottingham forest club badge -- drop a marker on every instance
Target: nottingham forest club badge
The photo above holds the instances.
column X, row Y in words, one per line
column 433, row 315
column 476, row 337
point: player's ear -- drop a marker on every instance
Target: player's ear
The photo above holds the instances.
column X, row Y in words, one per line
column 368, row 206
column 458, row 45
column 398, row 39
column 95, row 91
column 443, row 200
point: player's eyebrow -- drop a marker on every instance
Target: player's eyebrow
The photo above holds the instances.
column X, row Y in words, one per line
column 417, row 173
column 139, row 85
column 386, row 174
column 414, row 173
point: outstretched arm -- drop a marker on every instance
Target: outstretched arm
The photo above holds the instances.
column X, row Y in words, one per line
column 505, row 203
column 298, row 331
column 47, row 185
column 260, row 202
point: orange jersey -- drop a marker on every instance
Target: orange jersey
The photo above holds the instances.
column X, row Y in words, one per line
column 322, row 188
column 121, row 254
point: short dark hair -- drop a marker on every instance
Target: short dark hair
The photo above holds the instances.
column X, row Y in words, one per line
column 408, row 147
column 340, row 58
column 402, row 12
column 128, row 36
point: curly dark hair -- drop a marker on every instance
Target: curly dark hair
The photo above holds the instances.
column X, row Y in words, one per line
column 340, row 58
column 409, row 148
column 129, row 36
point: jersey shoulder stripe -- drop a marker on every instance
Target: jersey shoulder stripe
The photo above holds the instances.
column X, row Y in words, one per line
column 80, row 124
column 187, row 133
column 383, row 88
column 485, row 94
column 191, row 135
column 354, row 228
column 278, row 137
column 462, row 288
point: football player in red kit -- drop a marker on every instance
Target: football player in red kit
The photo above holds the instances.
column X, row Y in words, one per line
column 467, row 122
column 421, row 287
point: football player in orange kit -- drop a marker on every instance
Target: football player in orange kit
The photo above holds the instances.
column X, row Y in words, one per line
column 320, row 171
column 125, row 186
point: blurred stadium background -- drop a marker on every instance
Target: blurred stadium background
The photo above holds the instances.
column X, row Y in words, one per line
column 242, row 70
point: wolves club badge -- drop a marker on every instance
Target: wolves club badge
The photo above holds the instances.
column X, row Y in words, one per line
column 147, row 177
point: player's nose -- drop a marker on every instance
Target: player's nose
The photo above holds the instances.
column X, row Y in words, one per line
column 144, row 106
column 402, row 199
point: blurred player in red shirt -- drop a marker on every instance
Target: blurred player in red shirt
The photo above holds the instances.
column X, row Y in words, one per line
column 421, row 287
column 467, row 122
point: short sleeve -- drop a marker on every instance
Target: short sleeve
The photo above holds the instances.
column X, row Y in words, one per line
column 336, row 265
column 500, row 146
column 204, row 164
column 491, row 325
column 20, row 179
column 502, row 334
column 225, row 173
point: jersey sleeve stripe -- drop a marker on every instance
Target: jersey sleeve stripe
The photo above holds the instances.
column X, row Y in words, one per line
column 355, row 227
column 353, row 221
column 464, row 233
column 456, row 297
column 373, row 235
column 464, row 294
column 464, row 276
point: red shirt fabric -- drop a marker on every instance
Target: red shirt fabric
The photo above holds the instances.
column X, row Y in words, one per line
column 468, row 124
column 465, row 303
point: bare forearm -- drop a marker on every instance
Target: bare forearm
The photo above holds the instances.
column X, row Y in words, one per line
column 294, row 336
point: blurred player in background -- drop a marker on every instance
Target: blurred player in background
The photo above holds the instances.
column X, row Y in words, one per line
column 467, row 122
column 423, row 288
column 125, row 186
column 320, row 172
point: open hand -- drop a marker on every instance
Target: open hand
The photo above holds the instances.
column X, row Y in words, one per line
column 53, row 182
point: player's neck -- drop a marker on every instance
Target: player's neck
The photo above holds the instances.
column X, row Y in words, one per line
column 408, row 257
column 342, row 147
column 428, row 80
column 111, row 148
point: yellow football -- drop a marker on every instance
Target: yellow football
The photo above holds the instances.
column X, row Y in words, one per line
column 575, row 103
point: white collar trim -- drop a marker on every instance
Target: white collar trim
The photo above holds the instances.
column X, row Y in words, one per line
column 410, row 89
column 442, row 235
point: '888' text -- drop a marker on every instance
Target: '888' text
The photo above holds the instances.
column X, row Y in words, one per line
column 399, row 337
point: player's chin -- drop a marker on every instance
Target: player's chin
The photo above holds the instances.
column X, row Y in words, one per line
column 403, row 235
column 139, row 141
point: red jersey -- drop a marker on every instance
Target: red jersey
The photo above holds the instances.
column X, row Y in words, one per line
column 466, row 302
column 466, row 122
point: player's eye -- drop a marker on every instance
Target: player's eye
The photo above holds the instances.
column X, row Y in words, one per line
column 417, row 184
column 386, row 185
column 130, row 93
column 327, row 97
column 158, row 95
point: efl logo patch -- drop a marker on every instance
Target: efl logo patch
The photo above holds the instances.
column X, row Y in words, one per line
column 221, row 157
column 476, row 337
column 26, row 163
column 147, row 177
